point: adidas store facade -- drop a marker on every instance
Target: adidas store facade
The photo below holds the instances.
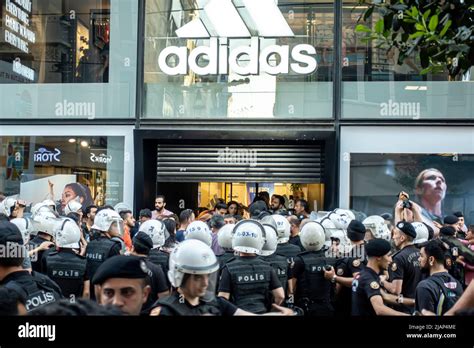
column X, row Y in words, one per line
column 236, row 100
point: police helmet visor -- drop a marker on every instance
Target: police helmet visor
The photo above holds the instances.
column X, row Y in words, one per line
column 116, row 227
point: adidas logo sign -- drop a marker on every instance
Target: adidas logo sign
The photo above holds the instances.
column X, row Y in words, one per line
column 224, row 21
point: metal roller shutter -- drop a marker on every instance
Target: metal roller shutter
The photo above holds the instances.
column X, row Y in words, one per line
column 240, row 163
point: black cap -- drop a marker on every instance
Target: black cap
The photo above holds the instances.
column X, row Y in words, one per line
column 451, row 220
column 356, row 231
column 447, row 231
column 256, row 208
column 145, row 212
column 387, row 216
column 459, row 214
column 9, row 233
column 144, row 239
column 377, row 247
column 407, row 228
column 121, row 266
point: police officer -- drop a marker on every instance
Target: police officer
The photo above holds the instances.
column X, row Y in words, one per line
column 285, row 248
column 64, row 265
column 192, row 264
column 454, row 268
column 37, row 289
column 367, row 295
column 155, row 229
column 348, row 266
column 278, row 262
column 123, row 281
column 44, row 224
column 405, row 271
column 141, row 246
column 109, row 225
column 311, row 289
column 247, row 281
column 224, row 239
column 428, row 295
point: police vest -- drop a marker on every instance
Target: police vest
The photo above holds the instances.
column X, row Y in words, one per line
column 37, row 290
column 67, row 272
column 97, row 252
column 288, row 250
column 280, row 264
column 178, row 307
column 159, row 258
column 312, row 284
column 224, row 258
column 250, row 283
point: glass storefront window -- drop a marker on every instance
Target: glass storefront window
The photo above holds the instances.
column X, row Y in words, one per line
column 241, row 59
column 440, row 183
column 68, row 59
column 374, row 86
column 63, row 168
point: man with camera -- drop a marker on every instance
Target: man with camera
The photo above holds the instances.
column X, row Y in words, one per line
column 405, row 271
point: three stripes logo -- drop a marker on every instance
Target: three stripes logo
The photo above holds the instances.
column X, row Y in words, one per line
column 220, row 22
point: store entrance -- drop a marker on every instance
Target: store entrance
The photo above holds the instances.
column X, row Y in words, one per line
column 245, row 192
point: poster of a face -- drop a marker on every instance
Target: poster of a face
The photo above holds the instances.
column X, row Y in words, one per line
column 440, row 183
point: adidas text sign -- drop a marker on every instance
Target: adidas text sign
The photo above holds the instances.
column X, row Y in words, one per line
column 222, row 60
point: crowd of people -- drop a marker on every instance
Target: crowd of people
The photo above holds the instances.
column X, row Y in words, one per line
column 263, row 259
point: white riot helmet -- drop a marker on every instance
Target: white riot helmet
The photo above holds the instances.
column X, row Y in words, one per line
column 340, row 221
column 72, row 207
column 42, row 208
column 271, row 240
column 6, row 206
column 329, row 227
column 269, row 220
column 248, row 237
column 345, row 212
column 155, row 230
column 49, row 203
column 25, row 226
column 377, row 226
column 312, row 236
column 45, row 221
column 283, row 228
column 122, row 206
column 105, row 218
column 191, row 257
column 224, row 237
column 199, row 230
column 345, row 244
column 68, row 233
column 422, row 233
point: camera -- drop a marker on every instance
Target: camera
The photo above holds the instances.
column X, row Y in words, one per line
column 405, row 198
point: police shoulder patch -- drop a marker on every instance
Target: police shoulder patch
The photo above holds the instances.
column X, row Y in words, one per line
column 356, row 263
column 394, row 267
column 374, row 285
column 340, row 271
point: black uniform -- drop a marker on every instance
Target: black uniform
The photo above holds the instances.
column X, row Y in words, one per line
column 346, row 267
column 313, row 291
column 296, row 241
column 438, row 293
column 97, row 251
column 174, row 305
column 406, row 266
column 68, row 270
column 36, row 260
column 249, row 280
column 224, row 258
column 280, row 264
column 288, row 250
column 158, row 283
column 36, row 288
column 364, row 286
column 160, row 258
column 454, row 268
